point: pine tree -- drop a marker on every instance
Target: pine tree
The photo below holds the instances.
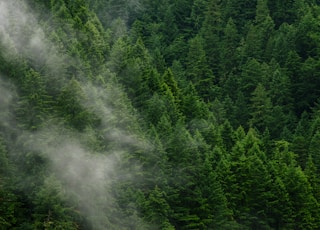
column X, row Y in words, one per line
column 259, row 32
column 253, row 73
column 314, row 150
column 230, row 43
column 302, row 202
column 158, row 210
column 280, row 210
column 70, row 106
column 34, row 102
column 211, row 32
column 118, row 56
column 305, row 206
column 192, row 106
column 281, row 43
column 227, row 135
column 261, row 109
column 285, row 12
column 50, row 212
column 219, row 216
column 301, row 140
column 197, row 14
column 9, row 205
column 198, row 70
column 311, row 172
column 240, row 11
column 96, row 47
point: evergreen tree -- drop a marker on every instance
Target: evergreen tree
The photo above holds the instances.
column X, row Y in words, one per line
column 314, row 150
column 281, row 44
column 301, row 140
column 211, row 32
column 34, row 101
column 192, row 106
column 50, row 212
column 285, row 12
column 305, row 206
column 198, row 70
column 259, row 32
column 240, row 11
column 70, row 107
column 209, row 92
column 253, row 73
column 158, row 210
column 227, row 135
column 8, row 205
column 261, row 109
column 311, row 173
column 230, row 43
column 197, row 14
column 305, row 214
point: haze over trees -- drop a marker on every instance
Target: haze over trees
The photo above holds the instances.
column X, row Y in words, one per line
column 140, row 114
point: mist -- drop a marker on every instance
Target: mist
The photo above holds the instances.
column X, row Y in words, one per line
column 86, row 175
column 7, row 96
column 20, row 33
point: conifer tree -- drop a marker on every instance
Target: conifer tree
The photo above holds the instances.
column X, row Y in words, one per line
column 34, row 103
column 229, row 45
column 70, row 106
column 311, row 172
column 261, row 109
column 314, row 150
column 50, row 212
column 158, row 210
column 198, row 70
column 8, row 205
column 192, row 106
column 211, row 32
column 198, row 10
column 240, row 11
column 259, row 32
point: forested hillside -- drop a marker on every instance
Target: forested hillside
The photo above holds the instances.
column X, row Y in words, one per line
column 136, row 114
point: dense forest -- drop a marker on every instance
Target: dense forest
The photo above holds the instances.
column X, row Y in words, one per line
column 136, row 114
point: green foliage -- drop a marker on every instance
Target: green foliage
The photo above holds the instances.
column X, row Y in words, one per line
column 198, row 70
column 70, row 108
column 8, row 203
column 158, row 209
column 261, row 108
column 34, row 101
column 50, row 211
column 211, row 31
column 206, row 111
column 228, row 52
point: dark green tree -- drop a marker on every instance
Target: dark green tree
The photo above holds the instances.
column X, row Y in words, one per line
column 302, row 202
column 197, row 14
column 158, row 210
column 229, row 44
column 240, row 11
column 261, row 108
column 70, row 106
column 192, row 106
column 311, row 172
column 34, row 102
column 259, row 32
column 314, row 150
column 198, row 70
column 211, row 31
column 50, row 211
column 285, row 12
column 9, row 206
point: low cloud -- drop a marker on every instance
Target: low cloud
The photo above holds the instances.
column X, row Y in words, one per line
column 85, row 175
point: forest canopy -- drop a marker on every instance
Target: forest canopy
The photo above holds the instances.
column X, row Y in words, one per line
column 136, row 114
